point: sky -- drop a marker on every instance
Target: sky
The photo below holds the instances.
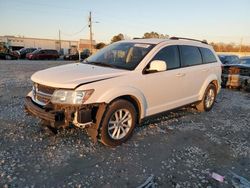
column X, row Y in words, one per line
column 213, row 20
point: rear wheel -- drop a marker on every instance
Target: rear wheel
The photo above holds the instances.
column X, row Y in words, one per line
column 208, row 99
column 8, row 57
column 118, row 123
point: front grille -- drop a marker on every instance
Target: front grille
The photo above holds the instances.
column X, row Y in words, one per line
column 236, row 70
column 245, row 71
column 45, row 89
column 42, row 94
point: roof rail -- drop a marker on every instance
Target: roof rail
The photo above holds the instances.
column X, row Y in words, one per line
column 178, row 38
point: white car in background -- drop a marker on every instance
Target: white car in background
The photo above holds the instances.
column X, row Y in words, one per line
column 114, row 89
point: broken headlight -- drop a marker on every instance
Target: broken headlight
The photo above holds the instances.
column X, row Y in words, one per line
column 70, row 96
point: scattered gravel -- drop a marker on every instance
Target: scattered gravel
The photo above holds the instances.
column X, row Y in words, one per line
column 180, row 148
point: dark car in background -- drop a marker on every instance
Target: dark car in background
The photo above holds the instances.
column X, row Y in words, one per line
column 8, row 56
column 237, row 76
column 24, row 51
column 43, row 54
column 6, row 53
column 84, row 54
column 229, row 59
column 245, row 60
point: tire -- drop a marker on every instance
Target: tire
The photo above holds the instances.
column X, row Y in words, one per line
column 113, row 132
column 208, row 99
column 45, row 125
column 8, row 57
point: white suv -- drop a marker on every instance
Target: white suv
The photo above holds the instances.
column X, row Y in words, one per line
column 114, row 89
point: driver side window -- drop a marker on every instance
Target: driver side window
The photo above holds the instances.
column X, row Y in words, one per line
column 170, row 55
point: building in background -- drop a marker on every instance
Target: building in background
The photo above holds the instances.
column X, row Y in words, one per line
column 62, row 46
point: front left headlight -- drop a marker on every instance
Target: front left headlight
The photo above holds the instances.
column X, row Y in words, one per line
column 70, row 96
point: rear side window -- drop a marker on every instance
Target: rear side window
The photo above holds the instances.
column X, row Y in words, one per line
column 170, row 55
column 207, row 55
column 190, row 55
column 53, row 52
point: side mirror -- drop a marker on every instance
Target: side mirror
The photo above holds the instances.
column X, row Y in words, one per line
column 157, row 66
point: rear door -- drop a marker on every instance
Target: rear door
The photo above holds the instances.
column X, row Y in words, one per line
column 42, row 54
column 49, row 54
column 194, row 71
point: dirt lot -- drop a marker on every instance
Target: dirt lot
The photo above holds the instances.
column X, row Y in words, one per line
column 180, row 148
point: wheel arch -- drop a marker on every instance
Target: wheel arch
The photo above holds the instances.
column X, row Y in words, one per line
column 211, row 79
column 135, row 102
column 130, row 94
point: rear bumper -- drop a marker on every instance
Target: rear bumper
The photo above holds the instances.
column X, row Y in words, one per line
column 54, row 117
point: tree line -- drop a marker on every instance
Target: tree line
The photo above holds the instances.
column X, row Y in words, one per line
column 218, row 47
column 231, row 47
column 120, row 36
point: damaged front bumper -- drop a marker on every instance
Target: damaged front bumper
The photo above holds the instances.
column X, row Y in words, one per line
column 56, row 118
column 84, row 116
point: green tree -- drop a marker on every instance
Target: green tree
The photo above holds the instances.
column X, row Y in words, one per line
column 117, row 38
column 153, row 34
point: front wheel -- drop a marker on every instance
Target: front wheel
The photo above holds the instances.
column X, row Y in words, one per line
column 208, row 99
column 118, row 123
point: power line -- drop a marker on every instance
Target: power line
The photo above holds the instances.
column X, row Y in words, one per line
column 76, row 33
column 46, row 5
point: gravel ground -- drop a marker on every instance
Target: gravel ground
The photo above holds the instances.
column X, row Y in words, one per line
column 180, row 148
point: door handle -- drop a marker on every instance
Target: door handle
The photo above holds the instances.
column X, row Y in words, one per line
column 180, row 74
column 205, row 70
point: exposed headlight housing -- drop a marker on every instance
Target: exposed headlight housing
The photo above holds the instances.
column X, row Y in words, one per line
column 70, row 96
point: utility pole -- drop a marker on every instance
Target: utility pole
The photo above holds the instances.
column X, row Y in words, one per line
column 90, row 32
column 241, row 40
column 79, row 51
column 60, row 45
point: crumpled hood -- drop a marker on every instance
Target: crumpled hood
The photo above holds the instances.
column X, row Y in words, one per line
column 71, row 75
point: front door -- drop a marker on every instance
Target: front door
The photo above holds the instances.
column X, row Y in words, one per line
column 164, row 90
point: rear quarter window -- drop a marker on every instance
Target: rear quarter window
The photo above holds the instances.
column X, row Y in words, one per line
column 190, row 55
column 207, row 55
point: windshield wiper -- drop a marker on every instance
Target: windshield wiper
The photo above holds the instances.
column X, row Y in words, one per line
column 101, row 64
column 104, row 64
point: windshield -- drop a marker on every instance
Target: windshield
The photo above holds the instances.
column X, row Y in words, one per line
column 230, row 59
column 245, row 61
column 36, row 51
column 22, row 50
column 123, row 55
column 222, row 58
